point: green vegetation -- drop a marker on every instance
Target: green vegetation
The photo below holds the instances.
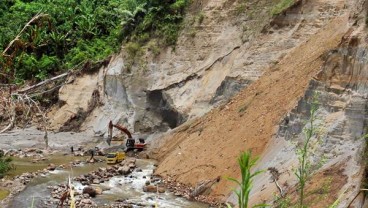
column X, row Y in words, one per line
column 282, row 202
column 71, row 32
column 5, row 164
column 304, row 170
column 281, row 6
column 245, row 185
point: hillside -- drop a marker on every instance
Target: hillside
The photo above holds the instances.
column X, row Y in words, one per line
column 205, row 148
column 254, row 119
column 241, row 76
column 279, row 61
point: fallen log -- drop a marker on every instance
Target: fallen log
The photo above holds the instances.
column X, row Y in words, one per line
column 27, row 89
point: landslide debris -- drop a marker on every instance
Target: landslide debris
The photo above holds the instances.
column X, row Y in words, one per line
column 206, row 147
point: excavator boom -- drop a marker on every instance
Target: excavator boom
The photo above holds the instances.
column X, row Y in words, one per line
column 123, row 130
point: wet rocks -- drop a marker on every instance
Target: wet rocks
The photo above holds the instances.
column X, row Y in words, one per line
column 96, row 181
column 94, row 177
column 124, row 170
column 25, row 178
column 86, row 201
column 154, row 189
column 104, row 174
column 186, row 191
column 98, row 190
column 51, row 167
column 81, row 200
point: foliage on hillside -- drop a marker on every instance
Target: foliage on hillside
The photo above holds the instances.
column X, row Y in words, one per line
column 74, row 31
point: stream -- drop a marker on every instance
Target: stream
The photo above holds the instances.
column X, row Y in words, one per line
column 128, row 188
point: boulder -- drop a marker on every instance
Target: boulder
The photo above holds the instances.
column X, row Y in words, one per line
column 51, row 167
column 98, row 190
column 125, row 170
column 90, row 191
column 102, row 169
column 154, row 189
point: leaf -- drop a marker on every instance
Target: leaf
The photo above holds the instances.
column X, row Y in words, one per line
column 228, row 205
column 234, row 180
column 262, row 205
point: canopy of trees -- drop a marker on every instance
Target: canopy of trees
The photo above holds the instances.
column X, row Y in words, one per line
column 66, row 33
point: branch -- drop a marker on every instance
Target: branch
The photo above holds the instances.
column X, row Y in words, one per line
column 9, row 126
column 356, row 196
column 279, row 188
column 25, row 90
column 44, row 120
column 37, row 17
column 12, row 120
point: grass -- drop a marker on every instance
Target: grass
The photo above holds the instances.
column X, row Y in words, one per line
column 200, row 18
column 241, row 8
column 282, row 6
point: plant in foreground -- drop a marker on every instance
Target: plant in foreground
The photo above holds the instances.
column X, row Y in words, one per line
column 303, row 172
column 245, row 185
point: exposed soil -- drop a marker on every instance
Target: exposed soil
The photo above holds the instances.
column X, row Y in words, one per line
column 323, row 188
column 206, row 148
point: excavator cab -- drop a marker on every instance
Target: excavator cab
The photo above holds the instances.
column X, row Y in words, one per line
column 130, row 144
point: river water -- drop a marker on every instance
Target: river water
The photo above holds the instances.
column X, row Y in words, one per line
column 119, row 187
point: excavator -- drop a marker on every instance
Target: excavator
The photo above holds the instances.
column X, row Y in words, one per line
column 130, row 144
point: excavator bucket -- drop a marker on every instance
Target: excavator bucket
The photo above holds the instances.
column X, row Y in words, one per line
column 108, row 140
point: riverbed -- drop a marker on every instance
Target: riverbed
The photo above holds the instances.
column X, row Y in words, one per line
column 123, row 188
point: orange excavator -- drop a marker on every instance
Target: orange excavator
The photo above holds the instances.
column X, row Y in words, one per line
column 130, row 143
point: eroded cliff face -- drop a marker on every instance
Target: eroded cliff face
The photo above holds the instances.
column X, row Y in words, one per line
column 224, row 46
column 256, row 120
column 270, row 61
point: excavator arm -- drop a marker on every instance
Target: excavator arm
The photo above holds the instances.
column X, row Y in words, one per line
column 130, row 140
column 111, row 125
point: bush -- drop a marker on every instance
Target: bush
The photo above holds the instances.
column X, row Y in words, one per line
column 77, row 31
column 155, row 20
column 73, row 32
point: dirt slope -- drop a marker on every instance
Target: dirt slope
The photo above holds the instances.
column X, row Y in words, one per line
column 207, row 147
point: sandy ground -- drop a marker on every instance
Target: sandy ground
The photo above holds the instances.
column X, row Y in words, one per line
column 31, row 137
